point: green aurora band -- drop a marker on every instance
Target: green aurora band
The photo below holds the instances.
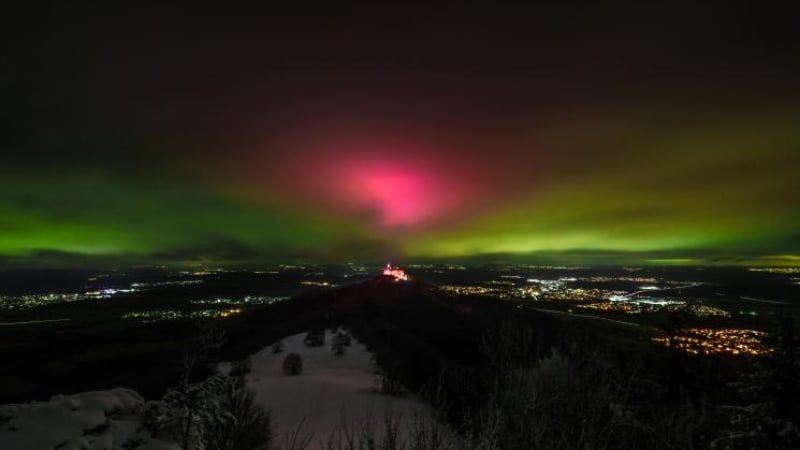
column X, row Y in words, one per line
column 642, row 133
column 725, row 196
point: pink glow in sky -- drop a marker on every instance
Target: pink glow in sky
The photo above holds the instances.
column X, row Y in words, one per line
column 399, row 185
column 398, row 192
column 392, row 179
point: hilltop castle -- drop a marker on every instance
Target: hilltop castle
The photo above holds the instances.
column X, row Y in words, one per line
column 396, row 272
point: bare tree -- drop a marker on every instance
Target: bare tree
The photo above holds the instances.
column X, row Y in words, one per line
column 293, row 364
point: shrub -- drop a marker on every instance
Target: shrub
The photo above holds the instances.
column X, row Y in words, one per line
column 185, row 412
column 315, row 338
column 293, row 364
column 249, row 428
column 241, row 367
column 390, row 383
column 340, row 343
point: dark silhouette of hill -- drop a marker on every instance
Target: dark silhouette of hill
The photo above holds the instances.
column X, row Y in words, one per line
column 413, row 307
column 417, row 334
column 410, row 326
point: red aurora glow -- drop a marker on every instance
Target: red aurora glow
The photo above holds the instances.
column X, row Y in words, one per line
column 400, row 193
column 394, row 186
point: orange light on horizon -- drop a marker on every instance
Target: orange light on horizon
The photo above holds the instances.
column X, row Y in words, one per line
column 396, row 272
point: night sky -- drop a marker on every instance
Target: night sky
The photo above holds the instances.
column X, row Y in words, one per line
column 551, row 133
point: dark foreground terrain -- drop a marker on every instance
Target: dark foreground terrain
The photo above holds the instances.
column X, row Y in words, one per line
column 496, row 370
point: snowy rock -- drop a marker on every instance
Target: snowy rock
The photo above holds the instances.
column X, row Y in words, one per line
column 89, row 420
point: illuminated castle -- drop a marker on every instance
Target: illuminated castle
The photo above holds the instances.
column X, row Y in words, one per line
column 396, row 272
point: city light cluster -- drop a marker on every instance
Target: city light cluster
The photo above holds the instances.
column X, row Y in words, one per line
column 540, row 290
column 707, row 341
column 707, row 311
column 250, row 300
column 604, row 279
column 157, row 284
column 18, row 302
column 629, row 308
column 775, row 269
column 109, row 292
column 476, row 290
column 158, row 315
column 501, row 283
column 317, row 283
column 573, row 294
column 636, row 306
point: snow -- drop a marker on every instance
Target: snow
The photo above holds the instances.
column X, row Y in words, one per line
column 89, row 420
column 330, row 390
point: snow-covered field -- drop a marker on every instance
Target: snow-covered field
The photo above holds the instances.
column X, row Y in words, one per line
column 85, row 421
column 330, row 390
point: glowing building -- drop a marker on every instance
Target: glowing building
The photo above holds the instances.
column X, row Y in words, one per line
column 396, row 272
